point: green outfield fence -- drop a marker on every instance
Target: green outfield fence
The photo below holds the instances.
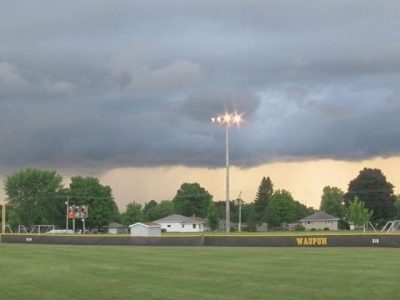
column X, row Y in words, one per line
column 355, row 240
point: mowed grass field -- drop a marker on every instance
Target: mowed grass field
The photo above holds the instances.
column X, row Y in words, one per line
column 113, row 272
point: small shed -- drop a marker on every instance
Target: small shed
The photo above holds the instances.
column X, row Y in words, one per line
column 116, row 228
column 320, row 220
column 145, row 229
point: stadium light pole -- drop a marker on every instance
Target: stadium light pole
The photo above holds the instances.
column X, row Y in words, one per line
column 227, row 120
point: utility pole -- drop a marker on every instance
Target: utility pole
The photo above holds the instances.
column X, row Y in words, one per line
column 3, row 218
column 240, row 212
column 66, row 219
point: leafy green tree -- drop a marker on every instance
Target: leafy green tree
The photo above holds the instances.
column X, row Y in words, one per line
column 372, row 188
column 357, row 213
column 233, row 208
column 212, row 216
column 148, row 206
column 302, row 211
column 133, row 214
column 161, row 210
column 249, row 217
column 281, row 209
column 397, row 205
column 102, row 207
column 13, row 220
column 263, row 197
column 192, row 199
column 332, row 201
column 35, row 197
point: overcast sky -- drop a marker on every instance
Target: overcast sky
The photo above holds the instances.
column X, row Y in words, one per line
column 107, row 84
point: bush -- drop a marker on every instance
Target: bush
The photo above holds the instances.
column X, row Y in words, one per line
column 299, row 228
column 312, row 229
column 163, row 230
column 344, row 225
column 249, row 228
column 326, row 229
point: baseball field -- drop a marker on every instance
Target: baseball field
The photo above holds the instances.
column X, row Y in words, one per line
column 124, row 272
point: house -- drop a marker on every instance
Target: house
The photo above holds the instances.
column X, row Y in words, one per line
column 262, row 227
column 320, row 220
column 116, row 228
column 145, row 229
column 179, row 223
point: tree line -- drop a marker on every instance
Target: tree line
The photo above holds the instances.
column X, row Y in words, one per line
column 39, row 197
column 370, row 197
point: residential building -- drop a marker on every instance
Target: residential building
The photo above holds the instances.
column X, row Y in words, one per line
column 145, row 229
column 116, row 228
column 320, row 220
column 179, row 223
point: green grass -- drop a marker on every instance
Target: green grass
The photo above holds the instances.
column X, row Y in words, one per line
column 106, row 272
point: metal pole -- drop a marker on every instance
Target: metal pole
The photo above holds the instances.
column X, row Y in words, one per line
column 227, row 120
column 240, row 213
column 66, row 219
column 227, row 221
column 3, row 218
column 83, row 223
column 73, row 225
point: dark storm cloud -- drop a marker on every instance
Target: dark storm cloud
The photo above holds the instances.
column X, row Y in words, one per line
column 100, row 84
column 205, row 104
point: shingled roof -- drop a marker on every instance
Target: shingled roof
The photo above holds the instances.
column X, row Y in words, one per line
column 180, row 219
column 146, row 224
column 115, row 225
column 319, row 216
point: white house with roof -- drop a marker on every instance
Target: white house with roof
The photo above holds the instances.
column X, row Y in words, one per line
column 320, row 220
column 145, row 229
column 179, row 223
column 116, row 228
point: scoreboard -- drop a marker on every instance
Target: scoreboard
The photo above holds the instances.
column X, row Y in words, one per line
column 77, row 212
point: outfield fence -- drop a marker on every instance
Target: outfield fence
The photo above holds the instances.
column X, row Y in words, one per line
column 361, row 240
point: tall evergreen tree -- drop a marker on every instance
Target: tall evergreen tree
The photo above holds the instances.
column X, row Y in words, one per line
column 372, row 188
column 263, row 197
